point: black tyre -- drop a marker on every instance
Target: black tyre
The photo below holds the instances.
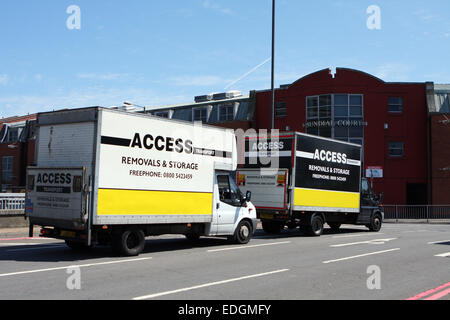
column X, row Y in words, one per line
column 315, row 229
column 335, row 226
column 375, row 222
column 130, row 242
column 243, row 233
column 272, row 227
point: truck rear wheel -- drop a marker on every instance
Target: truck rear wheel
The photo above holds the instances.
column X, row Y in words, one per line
column 315, row 229
column 130, row 242
column 243, row 233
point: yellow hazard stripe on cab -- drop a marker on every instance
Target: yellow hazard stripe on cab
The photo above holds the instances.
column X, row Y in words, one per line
column 327, row 199
column 136, row 202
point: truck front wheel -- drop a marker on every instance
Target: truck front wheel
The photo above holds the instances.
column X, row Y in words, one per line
column 375, row 223
column 130, row 242
column 243, row 233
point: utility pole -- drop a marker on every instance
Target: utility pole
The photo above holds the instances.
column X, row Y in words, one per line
column 272, row 107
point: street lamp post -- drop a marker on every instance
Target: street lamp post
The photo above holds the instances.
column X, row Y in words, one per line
column 272, row 107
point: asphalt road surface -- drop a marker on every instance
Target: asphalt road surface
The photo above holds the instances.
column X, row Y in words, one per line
column 402, row 261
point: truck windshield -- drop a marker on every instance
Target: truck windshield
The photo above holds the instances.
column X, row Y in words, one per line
column 228, row 190
column 365, row 186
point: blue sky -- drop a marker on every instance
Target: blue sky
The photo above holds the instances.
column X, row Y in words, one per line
column 163, row 52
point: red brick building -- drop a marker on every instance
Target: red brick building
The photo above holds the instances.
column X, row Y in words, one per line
column 388, row 119
column 398, row 125
column 17, row 147
column 440, row 161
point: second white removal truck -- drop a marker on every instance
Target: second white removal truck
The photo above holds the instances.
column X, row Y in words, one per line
column 105, row 176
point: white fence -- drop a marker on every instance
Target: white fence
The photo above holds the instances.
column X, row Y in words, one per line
column 12, row 203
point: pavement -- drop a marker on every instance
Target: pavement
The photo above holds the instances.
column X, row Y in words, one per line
column 402, row 261
column 17, row 232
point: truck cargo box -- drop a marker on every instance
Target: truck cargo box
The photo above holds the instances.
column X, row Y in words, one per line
column 318, row 174
column 140, row 169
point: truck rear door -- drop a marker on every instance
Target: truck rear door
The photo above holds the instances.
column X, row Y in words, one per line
column 269, row 187
column 57, row 197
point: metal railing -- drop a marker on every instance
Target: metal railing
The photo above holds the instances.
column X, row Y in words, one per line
column 418, row 213
column 12, row 203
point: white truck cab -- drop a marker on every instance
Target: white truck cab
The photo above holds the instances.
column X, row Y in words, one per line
column 232, row 210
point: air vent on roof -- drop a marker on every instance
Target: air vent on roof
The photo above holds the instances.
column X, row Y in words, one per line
column 227, row 95
column 207, row 97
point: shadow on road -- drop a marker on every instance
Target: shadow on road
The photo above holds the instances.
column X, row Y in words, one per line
column 59, row 252
column 447, row 243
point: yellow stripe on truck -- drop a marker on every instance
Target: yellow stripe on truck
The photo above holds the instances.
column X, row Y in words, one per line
column 136, row 202
column 327, row 199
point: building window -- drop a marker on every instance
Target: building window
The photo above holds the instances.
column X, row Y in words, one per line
column 13, row 134
column 7, row 169
column 200, row 114
column 338, row 116
column 226, row 112
column 395, row 105
column 162, row 114
column 280, row 110
column 396, row 149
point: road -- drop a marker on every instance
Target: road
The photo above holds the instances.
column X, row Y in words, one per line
column 402, row 261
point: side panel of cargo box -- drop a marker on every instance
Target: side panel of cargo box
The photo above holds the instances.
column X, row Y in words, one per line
column 327, row 175
column 156, row 171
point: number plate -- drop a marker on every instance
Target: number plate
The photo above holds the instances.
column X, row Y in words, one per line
column 266, row 216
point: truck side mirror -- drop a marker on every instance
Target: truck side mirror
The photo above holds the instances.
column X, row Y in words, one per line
column 248, row 196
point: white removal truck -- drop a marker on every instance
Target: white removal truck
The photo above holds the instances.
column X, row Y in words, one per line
column 110, row 177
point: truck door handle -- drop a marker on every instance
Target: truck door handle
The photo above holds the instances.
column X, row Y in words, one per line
column 218, row 206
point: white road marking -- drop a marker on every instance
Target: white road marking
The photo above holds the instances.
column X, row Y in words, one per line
column 361, row 255
column 442, row 241
column 374, row 241
column 72, row 266
column 443, row 255
column 210, row 284
column 358, row 235
column 249, row 247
